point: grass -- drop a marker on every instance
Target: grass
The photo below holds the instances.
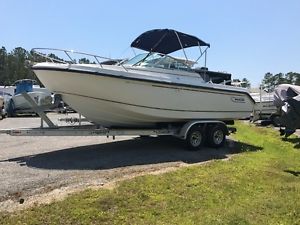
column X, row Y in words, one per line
column 260, row 185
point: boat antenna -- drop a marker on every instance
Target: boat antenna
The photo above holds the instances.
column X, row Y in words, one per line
column 181, row 45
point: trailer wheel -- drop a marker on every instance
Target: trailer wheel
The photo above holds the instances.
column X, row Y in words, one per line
column 216, row 136
column 195, row 138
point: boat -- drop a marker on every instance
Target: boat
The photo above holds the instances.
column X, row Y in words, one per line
column 18, row 104
column 7, row 90
column 152, row 88
column 287, row 101
column 264, row 104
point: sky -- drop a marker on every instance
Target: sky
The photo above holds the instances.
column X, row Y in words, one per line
column 248, row 38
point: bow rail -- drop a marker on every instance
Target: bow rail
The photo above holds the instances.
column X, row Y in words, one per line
column 48, row 54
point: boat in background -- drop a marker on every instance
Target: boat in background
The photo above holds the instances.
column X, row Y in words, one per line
column 150, row 89
column 287, row 101
column 264, row 104
column 18, row 104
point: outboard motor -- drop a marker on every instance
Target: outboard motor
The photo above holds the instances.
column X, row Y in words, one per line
column 287, row 101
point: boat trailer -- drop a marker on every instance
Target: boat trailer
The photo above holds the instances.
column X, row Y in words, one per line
column 195, row 132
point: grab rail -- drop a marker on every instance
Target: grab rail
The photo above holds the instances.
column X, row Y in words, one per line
column 72, row 60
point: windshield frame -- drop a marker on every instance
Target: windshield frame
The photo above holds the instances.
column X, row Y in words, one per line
column 159, row 60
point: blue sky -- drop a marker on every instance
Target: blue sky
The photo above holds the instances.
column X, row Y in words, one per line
column 248, row 38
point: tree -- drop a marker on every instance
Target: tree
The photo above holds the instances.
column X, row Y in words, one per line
column 268, row 83
column 292, row 78
column 55, row 57
column 297, row 82
column 3, row 66
column 279, row 78
column 84, row 61
column 245, row 83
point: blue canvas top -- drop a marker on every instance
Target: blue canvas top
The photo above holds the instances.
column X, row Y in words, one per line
column 25, row 85
column 166, row 41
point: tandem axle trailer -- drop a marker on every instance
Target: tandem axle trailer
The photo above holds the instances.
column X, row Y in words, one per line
column 195, row 133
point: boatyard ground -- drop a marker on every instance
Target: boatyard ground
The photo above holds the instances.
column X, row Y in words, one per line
column 258, row 184
column 40, row 169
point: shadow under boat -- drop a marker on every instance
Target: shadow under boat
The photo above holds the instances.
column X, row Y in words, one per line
column 133, row 152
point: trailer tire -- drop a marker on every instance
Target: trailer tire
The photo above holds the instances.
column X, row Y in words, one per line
column 216, row 136
column 195, row 138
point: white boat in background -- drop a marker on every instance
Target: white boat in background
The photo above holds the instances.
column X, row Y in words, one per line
column 264, row 104
column 18, row 104
column 147, row 90
column 7, row 90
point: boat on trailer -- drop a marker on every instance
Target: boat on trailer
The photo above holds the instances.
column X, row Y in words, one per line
column 18, row 104
column 150, row 89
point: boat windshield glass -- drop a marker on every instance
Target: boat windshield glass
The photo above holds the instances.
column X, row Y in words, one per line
column 158, row 60
column 135, row 59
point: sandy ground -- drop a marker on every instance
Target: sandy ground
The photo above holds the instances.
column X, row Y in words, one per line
column 42, row 169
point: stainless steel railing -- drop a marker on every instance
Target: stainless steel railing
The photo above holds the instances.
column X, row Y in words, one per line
column 68, row 53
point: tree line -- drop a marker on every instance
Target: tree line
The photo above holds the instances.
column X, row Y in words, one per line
column 15, row 65
column 271, row 81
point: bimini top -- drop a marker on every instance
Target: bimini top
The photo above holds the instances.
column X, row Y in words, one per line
column 166, row 41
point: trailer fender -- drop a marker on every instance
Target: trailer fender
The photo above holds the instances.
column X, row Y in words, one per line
column 187, row 126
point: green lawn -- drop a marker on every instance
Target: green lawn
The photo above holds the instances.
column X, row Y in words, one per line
column 260, row 185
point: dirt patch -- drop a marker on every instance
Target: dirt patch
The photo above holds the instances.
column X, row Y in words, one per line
column 17, row 203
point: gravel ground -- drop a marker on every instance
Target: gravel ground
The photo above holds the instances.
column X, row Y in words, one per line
column 41, row 169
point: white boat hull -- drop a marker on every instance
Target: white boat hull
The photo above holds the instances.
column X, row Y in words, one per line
column 265, row 109
column 264, row 105
column 20, row 103
column 116, row 100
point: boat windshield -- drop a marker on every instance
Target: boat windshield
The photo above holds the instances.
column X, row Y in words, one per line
column 158, row 60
